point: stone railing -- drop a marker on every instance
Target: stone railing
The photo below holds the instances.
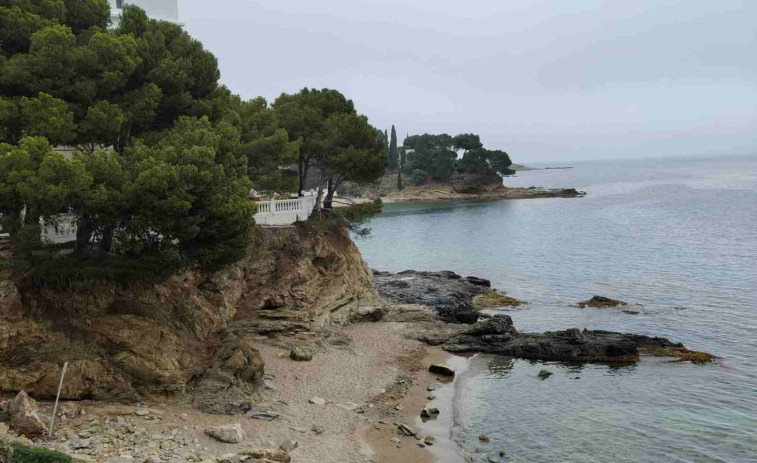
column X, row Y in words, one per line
column 284, row 211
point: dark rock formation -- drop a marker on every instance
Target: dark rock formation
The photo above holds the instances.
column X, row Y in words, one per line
column 441, row 370
column 497, row 335
column 449, row 293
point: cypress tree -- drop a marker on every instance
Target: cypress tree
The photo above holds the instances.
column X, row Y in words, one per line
column 399, row 178
column 393, row 159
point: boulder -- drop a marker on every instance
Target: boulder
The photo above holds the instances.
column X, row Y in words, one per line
column 269, row 455
column 441, row 370
column 24, row 416
column 300, row 354
column 370, row 313
column 478, row 281
column 230, row 434
column 429, row 411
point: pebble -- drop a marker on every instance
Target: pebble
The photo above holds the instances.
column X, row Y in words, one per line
column 318, row 429
column 429, row 440
column 399, row 407
column 431, row 387
column 421, row 445
column 318, row 401
column 142, row 412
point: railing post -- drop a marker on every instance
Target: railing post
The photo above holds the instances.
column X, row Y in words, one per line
column 273, row 206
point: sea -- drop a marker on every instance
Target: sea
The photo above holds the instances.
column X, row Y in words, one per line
column 674, row 237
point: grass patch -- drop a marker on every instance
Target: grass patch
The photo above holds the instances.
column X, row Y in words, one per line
column 494, row 299
column 24, row 454
column 682, row 354
column 544, row 374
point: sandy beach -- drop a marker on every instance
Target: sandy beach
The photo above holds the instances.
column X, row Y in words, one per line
column 369, row 375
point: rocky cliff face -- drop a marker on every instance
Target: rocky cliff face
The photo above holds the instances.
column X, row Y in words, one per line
column 193, row 331
column 476, row 183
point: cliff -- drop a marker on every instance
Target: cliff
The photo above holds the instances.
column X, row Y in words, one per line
column 194, row 331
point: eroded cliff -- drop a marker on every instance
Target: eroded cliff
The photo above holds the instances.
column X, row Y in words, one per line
column 194, row 331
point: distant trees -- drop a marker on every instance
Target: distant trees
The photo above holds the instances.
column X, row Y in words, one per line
column 439, row 157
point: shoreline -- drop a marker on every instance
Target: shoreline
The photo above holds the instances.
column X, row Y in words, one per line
column 444, row 449
column 438, row 193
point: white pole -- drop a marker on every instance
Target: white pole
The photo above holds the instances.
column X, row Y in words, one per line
column 57, row 398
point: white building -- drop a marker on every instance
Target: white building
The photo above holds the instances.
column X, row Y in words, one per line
column 164, row 10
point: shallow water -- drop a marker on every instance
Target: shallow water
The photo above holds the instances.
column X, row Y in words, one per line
column 677, row 236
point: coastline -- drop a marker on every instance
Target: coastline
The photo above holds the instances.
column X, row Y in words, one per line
column 356, row 422
column 432, row 193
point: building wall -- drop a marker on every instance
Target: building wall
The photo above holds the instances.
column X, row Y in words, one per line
column 165, row 10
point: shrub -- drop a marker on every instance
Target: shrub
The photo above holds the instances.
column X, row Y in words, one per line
column 418, row 177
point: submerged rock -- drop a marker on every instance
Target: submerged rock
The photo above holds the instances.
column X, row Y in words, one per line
column 600, row 302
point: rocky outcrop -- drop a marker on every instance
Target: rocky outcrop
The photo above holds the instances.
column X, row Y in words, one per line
column 497, row 335
column 195, row 331
column 450, row 294
column 229, row 434
column 473, row 183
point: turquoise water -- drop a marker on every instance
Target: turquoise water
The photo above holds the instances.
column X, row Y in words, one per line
column 677, row 236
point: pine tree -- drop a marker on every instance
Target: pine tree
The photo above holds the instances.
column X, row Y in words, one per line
column 393, row 159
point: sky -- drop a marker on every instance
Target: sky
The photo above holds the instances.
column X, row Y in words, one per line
column 546, row 81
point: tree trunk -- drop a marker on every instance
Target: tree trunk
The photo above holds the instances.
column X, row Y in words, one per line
column 106, row 243
column 329, row 194
column 84, row 231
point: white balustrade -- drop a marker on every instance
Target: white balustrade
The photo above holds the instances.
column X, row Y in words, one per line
column 284, row 211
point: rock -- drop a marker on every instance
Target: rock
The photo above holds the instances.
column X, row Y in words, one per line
column 502, row 453
column 478, row 281
column 396, row 440
column 153, row 459
column 370, row 313
column 405, row 430
column 3, row 429
column 429, row 440
column 450, row 295
column 429, row 411
column 544, row 374
column 483, row 438
column 318, row 429
column 81, row 443
column 441, row 370
column 269, row 455
column 142, row 412
column 497, row 335
column 300, row 354
column 318, row 401
column 431, row 397
column 399, row 407
column 265, row 414
column 421, row 445
column 288, row 445
column 430, row 387
column 230, row 434
column 351, row 406
column 24, row 416
column 600, row 301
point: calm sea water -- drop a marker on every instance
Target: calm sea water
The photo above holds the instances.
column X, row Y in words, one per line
column 677, row 236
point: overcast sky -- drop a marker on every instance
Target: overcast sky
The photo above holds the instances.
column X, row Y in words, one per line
column 543, row 80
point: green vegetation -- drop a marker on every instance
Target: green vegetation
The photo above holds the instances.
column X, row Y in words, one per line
column 393, row 153
column 544, row 374
column 681, row 354
column 440, row 156
column 25, row 454
column 163, row 156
